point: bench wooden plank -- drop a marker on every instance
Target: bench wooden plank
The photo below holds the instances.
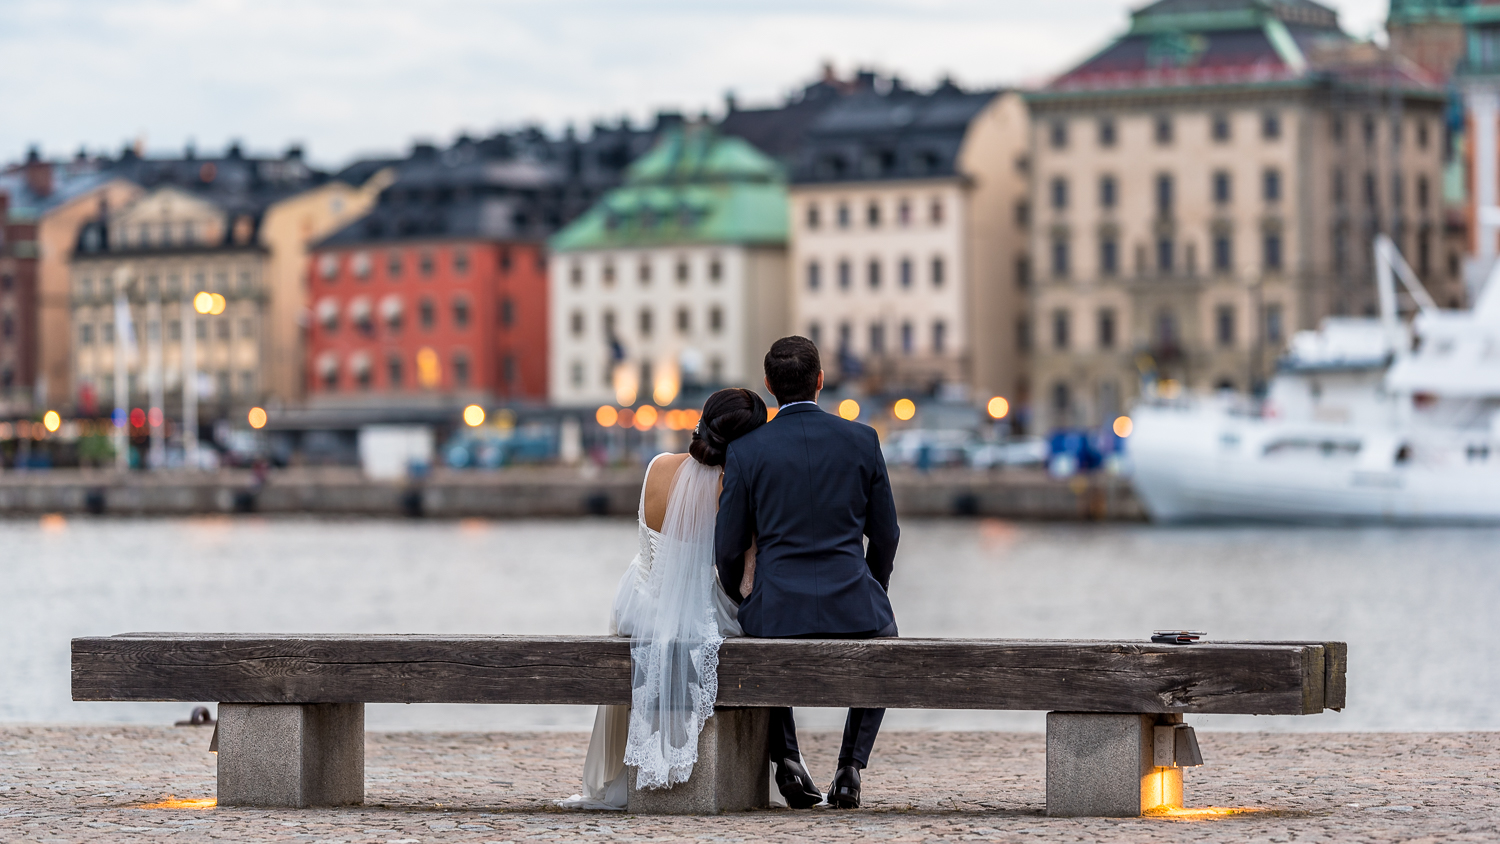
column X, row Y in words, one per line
column 1070, row 675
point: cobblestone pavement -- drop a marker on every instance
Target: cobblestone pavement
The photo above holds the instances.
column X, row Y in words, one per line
column 75, row 784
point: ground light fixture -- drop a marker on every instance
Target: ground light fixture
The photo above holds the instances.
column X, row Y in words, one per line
column 998, row 407
column 51, row 421
column 258, row 418
column 1123, row 426
column 606, row 416
column 849, row 409
column 904, row 409
column 473, row 416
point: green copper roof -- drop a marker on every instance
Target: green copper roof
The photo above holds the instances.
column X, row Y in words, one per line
column 694, row 186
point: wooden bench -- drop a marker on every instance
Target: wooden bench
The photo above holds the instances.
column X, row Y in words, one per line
column 291, row 708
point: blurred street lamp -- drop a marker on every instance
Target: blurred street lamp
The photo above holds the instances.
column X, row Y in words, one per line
column 904, row 409
column 257, row 418
column 51, row 421
column 849, row 409
column 1123, row 426
column 998, row 407
column 473, row 416
column 606, row 416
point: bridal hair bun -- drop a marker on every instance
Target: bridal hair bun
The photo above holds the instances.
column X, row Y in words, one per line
column 727, row 416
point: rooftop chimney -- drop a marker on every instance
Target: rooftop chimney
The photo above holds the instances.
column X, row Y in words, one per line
column 38, row 174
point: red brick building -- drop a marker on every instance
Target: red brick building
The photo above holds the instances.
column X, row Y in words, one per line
column 407, row 317
column 18, row 305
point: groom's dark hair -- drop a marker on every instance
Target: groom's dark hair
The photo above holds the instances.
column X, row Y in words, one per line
column 792, row 368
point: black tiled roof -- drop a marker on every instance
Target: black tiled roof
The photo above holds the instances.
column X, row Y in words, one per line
column 897, row 134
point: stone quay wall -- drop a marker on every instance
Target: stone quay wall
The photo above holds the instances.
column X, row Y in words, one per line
column 517, row 493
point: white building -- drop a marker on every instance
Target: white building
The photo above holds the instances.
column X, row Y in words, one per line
column 678, row 277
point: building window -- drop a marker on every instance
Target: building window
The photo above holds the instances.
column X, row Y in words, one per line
column 684, row 320
column 1222, row 187
column 393, row 371
column 1224, row 325
column 812, row 215
column 1163, row 131
column 1272, row 250
column 1422, row 192
column 577, row 323
column 1023, row 214
column 1107, row 132
column 1397, row 194
column 903, row 212
column 1220, row 129
column 1023, row 334
column 1164, row 255
column 609, row 324
column 1060, row 329
column 645, row 322
column 877, row 338
column 1163, row 195
column 1061, row 403
column 461, row 313
column 1109, row 256
column 1369, row 131
column 844, row 275
column 508, row 312
column 939, row 337
column 1338, row 187
column 1270, row 125
column 844, row 335
column 508, row 371
column 682, row 271
column 1223, row 253
column 426, row 263
column 460, row 369
column 715, row 319
column 1107, row 197
column 1336, row 129
column 906, row 337
column 174, row 330
column 715, row 270
column 643, row 272
column 1424, row 252
column 906, row 273
column 609, row 273
column 937, row 271
column 872, row 215
column 1273, row 324
column 1372, row 197
column 393, row 265
column 1023, row 272
column 873, row 274
column 460, row 261
column 814, row 271
column 1106, row 328
column 1059, row 193
column 223, row 329
column 1271, row 182
column 1059, row 258
column 427, row 314
column 1058, row 134
column 815, row 333
column 1340, row 250
column 935, row 212
column 576, row 375
column 843, row 215
column 86, row 334
column 575, row 274
column 505, row 261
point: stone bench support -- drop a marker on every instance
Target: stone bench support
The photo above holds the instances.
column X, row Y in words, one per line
column 732, row 774
column 1116, row 766
column 291, row 755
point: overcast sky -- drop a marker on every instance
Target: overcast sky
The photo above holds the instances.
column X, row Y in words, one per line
column 352, row 77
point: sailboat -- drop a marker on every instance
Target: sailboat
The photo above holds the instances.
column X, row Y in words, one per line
column 1366, row 420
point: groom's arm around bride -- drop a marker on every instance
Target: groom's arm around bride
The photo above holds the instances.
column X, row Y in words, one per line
column 808, row 488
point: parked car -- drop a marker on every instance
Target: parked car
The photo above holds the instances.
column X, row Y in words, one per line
column 1017, row 451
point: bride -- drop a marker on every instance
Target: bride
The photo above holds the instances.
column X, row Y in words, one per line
column 676, row 613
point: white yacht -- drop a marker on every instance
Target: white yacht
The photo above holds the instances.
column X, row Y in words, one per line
column 1366, row 420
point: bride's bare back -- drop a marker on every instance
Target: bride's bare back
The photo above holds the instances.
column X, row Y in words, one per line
column 659, row 489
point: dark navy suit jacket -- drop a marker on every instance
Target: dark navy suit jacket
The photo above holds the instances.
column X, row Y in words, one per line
column 807, row 486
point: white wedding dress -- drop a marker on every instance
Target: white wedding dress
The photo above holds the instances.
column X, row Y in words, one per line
column 676, row 614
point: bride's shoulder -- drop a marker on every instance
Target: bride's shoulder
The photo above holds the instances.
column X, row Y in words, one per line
column 659, row 474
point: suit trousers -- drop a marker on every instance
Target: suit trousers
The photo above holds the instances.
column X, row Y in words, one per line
column 860, row 727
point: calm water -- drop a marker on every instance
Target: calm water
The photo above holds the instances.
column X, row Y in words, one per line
column 1416, row 606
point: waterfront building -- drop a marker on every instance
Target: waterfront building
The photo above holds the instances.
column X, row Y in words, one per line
column 155, row 254
column 907, row 239
column 1459, row 42
column 675, row 279
column 47, row 203
column 1210, row 183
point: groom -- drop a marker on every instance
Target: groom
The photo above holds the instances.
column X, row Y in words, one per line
column 805, row 488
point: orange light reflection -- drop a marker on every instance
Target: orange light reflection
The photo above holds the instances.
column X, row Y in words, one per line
column 172, row 802
column 1198, row 812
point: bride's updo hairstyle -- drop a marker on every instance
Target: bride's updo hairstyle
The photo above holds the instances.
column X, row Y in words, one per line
column 727, row 416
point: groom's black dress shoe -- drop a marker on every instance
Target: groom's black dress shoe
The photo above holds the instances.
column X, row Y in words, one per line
column 844, row 793
column 796, row 785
